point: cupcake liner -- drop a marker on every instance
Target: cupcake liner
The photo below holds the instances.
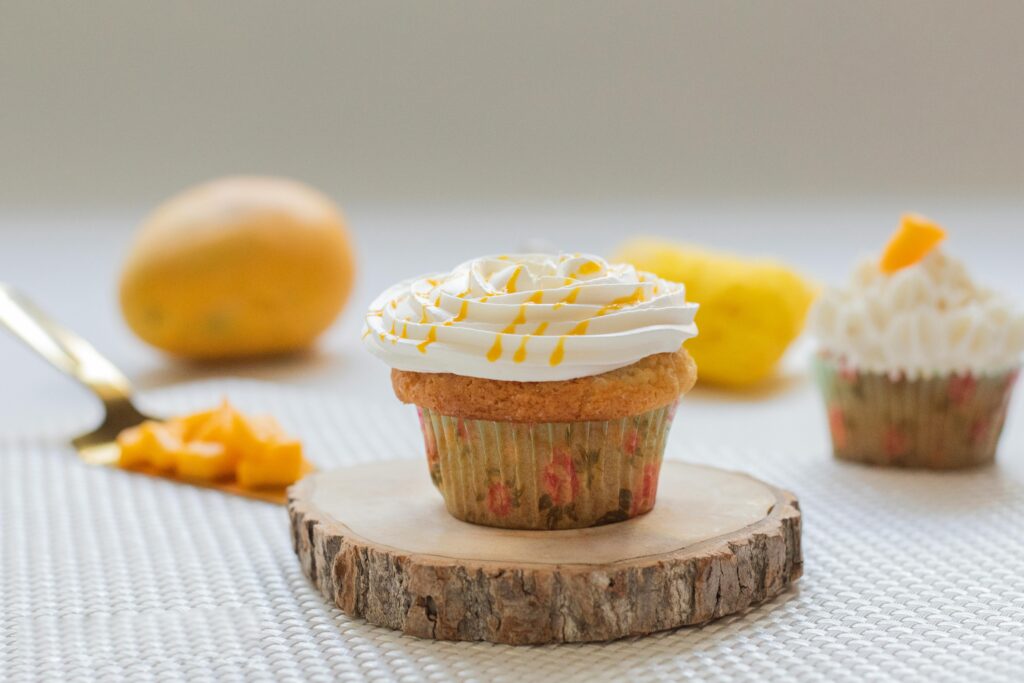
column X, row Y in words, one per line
column 944, row 422
column 555, row 475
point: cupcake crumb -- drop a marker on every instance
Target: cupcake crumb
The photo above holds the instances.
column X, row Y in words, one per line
column 650, row 383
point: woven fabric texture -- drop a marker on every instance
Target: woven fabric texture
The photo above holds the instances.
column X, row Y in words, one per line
column 113, row 576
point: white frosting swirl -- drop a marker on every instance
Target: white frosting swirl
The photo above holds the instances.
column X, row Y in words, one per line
column 926, row 319
column 530, row 318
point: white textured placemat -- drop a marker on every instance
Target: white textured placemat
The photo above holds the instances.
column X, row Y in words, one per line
column 108, row 575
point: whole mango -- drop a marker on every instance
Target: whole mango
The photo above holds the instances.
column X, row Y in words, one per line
column 750, row 310
column 241, row 266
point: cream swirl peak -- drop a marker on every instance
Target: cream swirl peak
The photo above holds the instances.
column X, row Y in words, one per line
column 530, row 318
column 927, row 319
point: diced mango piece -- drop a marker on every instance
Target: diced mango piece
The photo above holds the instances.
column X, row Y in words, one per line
column 205, row 461
column 218, row 426
column 277, row 464
column 166, row 442
column 192, row 424
column 915, row 238
column 250, row 435
column 216, row 444
column 150, row 443
column 134, row 451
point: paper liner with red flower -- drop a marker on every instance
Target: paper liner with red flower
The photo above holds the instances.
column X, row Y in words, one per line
column 944, row 422
column 546, row 475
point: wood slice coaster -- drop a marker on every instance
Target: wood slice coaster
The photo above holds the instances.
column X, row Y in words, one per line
column 378, row 542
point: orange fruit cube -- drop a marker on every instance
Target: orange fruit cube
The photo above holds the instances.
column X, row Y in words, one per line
column 150, row 443
column 190, row 425
column 204, row 461
column 218, row 425
column 133, row 445
column 164, row 443
column 915, row 238
column 278, row 463
column 251, row 435
column 216, row 444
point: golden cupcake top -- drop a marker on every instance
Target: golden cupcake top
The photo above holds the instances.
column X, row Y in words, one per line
column 529, row 317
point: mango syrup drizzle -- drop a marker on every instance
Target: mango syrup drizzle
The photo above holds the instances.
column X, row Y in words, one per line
column 519, row 320
column 569, row 299
column 558, row 355
column 495, row 352
column 635, row 297
column 520, row 355
column 510, row 286
column 431, row 338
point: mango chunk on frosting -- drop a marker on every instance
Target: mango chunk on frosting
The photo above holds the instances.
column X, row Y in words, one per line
column 216, row 445
column 915, row 238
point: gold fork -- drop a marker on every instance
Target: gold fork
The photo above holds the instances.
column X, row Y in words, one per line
column 77, row 358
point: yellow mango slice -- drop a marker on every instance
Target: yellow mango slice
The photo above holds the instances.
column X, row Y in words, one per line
column 277, row 464
column 915, row 238
column 204, row 461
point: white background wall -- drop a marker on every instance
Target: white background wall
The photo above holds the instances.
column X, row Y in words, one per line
column 120, row 102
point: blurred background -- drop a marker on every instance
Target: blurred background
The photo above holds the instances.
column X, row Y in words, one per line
column 449, row 129
column 118, row 103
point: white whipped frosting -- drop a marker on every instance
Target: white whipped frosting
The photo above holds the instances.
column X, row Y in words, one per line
column 926, row 319
column 530, row 318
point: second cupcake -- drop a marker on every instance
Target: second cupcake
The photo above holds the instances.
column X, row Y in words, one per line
column 918, row 362
column 545, row 385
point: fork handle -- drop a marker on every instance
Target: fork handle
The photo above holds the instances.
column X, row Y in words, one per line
column 64, row 349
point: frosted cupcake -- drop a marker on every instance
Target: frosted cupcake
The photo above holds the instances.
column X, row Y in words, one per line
column 545, row 385
column 917, row 362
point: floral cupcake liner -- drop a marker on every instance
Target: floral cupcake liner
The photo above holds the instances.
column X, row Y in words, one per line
column 557, row 475
column 945, row 422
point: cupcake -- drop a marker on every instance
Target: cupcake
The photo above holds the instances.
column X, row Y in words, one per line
column 917, row 362
column 545, row 385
